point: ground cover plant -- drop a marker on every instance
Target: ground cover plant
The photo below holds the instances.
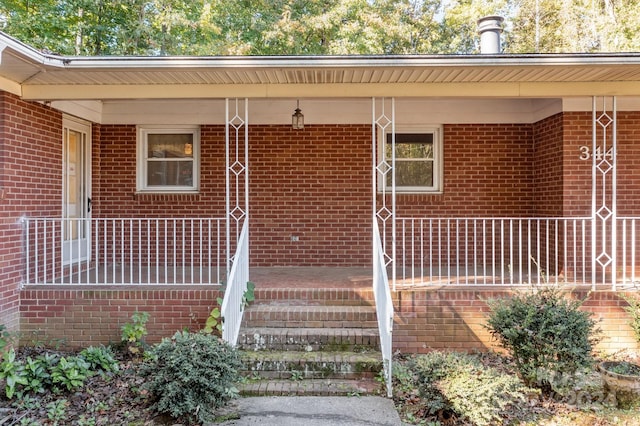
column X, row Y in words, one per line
column 179, row 381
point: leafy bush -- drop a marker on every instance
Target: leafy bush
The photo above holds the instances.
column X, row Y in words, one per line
column 634, row 312
column 190, row 375
column 461, row 384
column 100, row 357
column 70, row 372
column 545, row 333
column 11, row 372
column 133, row 332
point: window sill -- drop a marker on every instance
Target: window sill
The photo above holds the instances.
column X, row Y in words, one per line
column 167, row 196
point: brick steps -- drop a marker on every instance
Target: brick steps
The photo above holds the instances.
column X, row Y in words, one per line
column 312, row 365
column 360, row 296
column 311, row 341
column 305, row 316
column 317, row 387
column 308, row 339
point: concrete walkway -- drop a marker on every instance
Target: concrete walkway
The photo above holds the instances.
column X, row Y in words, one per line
column 313, row 411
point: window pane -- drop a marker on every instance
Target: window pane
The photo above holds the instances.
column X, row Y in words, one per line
column 411, row 145
column 413, row 173
column 170, row 146
column 170, row 173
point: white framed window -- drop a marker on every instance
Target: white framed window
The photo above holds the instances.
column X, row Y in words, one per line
column 419, row 159
column 168, row 159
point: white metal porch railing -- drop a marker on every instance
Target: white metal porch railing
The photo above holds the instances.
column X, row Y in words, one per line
column 232, row 307
column 508, row 251
column 384, row 307
column 124, row 251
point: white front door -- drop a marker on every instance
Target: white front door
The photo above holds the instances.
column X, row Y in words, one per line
column 76, row 186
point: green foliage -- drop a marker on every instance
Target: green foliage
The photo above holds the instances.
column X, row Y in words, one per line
column 5, row 339
column 70, row 372
column 329, row 27
column 214, row 320
column 190, row 375
column 12, row 372
column 460, row 383
column 57, row 411
column 133, row 332
column 100, row 357
column 633, row 309
column 544, row 332
column 37, row 375
column 249, row 294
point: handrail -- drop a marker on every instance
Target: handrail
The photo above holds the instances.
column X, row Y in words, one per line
column 123, row 251
column 510, row 251
column 384, row 308
column 232, row 307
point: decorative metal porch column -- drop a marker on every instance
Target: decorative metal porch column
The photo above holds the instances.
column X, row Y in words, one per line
column 384, row 202
column 603, row 191
column 237, row 174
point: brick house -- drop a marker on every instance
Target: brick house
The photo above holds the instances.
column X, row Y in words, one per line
column 140, row 183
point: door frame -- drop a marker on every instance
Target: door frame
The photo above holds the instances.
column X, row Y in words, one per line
column 79, row 249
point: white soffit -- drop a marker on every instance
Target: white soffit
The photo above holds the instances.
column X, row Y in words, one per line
column 50, row 77
column 331, row 111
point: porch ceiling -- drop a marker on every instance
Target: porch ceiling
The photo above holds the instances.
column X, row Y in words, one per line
column 50, row 77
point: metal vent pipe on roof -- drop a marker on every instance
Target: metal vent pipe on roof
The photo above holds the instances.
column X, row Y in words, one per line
column 490, row 28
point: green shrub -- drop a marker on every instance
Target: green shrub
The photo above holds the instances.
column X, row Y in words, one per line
column 545, row 332
column 100, row 358
column 70, row 372
column 190, row 375
column 133, row 332
column 634, row 312
column 461, row 384
column 11, row 372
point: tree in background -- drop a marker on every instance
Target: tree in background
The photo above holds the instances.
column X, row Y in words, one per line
column 320, row 27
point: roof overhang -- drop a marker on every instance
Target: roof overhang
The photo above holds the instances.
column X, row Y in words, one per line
column 39, row 76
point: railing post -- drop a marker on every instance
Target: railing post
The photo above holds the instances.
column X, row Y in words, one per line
column 603, row 190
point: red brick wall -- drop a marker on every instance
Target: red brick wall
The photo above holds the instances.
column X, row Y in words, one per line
column 488, row 171
column 30, row 185
column 114, row 179
column 454, row 319
column 314, row 184
column 80, row 317
column 548, row 166
column 577, row 173
column 426, row 319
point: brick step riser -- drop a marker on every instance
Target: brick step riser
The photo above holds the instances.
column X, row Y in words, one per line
column 311, row 302
column 315, row 296
column 301, row 315
column 308, row 324
column 309, row 374
column 264, row 342
column 311, row 370
column 310, row 388
column 297, row 347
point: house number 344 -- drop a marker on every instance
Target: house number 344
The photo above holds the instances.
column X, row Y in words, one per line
column 586, row 153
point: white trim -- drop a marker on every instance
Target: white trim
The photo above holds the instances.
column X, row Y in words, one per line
column 141, row 164
column 82, row 127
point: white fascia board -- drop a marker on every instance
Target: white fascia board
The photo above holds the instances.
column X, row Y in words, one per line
column 208, row 91
column 87, row 110
column 371, row 61
column 10, row 86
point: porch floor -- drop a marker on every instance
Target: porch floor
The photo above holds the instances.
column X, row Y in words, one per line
column 319, row 277
column 311, row 277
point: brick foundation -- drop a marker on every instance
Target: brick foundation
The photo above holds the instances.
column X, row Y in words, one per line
column 454, row 318
column 426, row 319
column 83, row 316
